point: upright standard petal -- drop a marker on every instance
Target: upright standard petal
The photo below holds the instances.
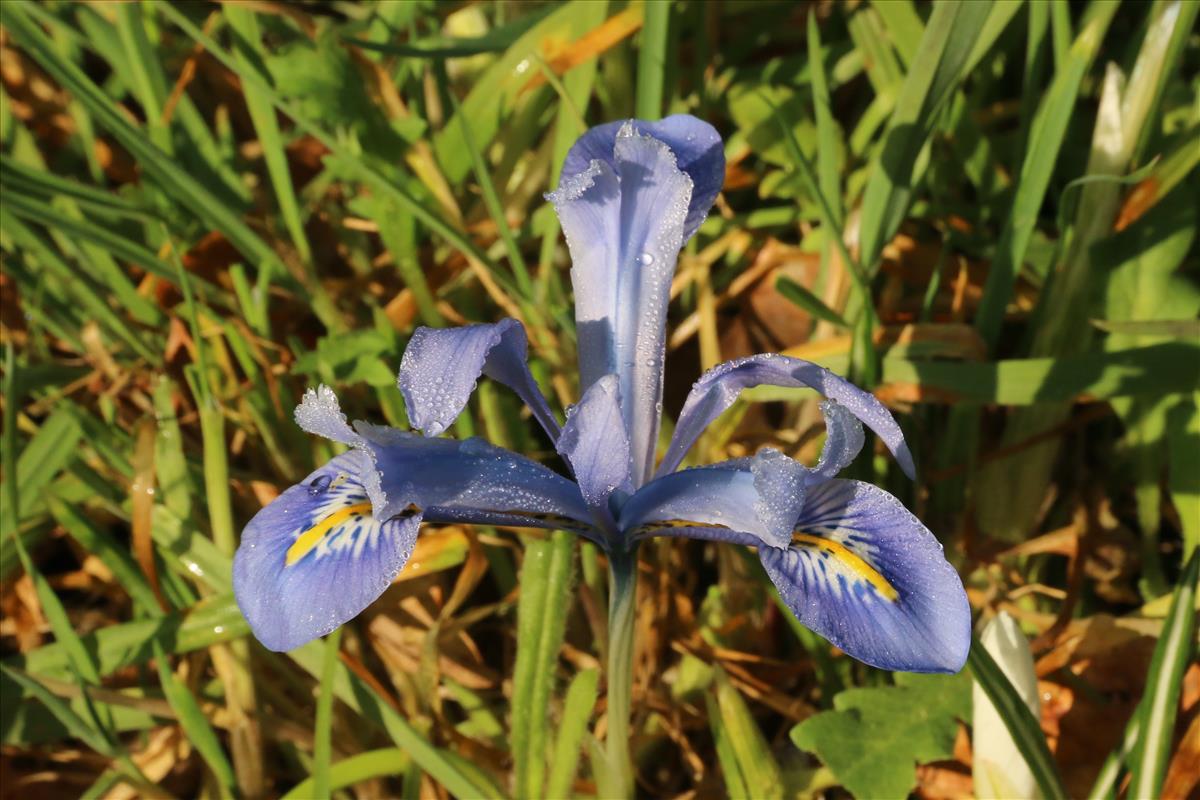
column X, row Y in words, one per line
column 698, row 151
column 868, row 576
column 753, row 501
column 442, row 365
column 719, row 387
column 595, row 444
column 624, row 222
column 316, row 556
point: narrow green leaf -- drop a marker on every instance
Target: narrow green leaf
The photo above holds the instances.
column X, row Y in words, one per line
column 936, row 70
column 355, row 769
column 491, row 198
column 577, row 709
column 191, row 718
column 731, row 768
column 652, row 60
column 119, row 246
column 45, row 455
column 1159, row 369
column 323, row 725
column 170, row 464
column 79, row 288
column 61, row 710
column 362, row 167
column 355, row 693
column 24, row 178
column 904, row 26
column 1183, row 468
column 1046, row 137
column 80, row 729
column 756, row 765
column 494, row 41
column 546, row 578
column 148, row 86
column 10, row 510
column 1105, row 787
column 213, row 620
column 1164, row 681
column 1185, row 329
column 81, row 662
column 824, row 205
column 879, row 55
column 808, row 301
column 248, row 52
column 827, row 132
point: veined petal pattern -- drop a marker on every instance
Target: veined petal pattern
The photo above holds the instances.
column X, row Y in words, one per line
column 868, row 576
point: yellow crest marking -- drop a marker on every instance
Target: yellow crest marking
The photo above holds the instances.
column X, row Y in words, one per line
column 306, row 541
column 851, row 559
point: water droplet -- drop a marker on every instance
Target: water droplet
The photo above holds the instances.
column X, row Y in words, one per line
column 646, row 259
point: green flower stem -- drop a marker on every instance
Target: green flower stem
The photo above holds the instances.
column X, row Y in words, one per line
column 622, row 614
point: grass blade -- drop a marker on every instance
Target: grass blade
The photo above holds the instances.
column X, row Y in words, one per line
column 80, row 729
column 863, row 367
column 323, row 726
column 750, row 750
column 1164, row 681
column 191, row 718
column 652, row 60
column 97, row 541
column 356, row 769
column 358, row 695
column 546, row 578
column 249, row 54
column 1046, row 137
column 490, row 197
column 808, row 301
column 577, row 709
column 827, row 132
column 938, row 67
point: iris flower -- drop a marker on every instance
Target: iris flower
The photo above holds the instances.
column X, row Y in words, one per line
column 848, row 559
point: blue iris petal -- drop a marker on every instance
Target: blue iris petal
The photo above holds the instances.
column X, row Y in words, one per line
column 316, row 556
column 442, row 365
column 844, row 439
column 595, row 445
column 719, row 387
column 749, row 500
column 868, row 576
column 695, row 144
